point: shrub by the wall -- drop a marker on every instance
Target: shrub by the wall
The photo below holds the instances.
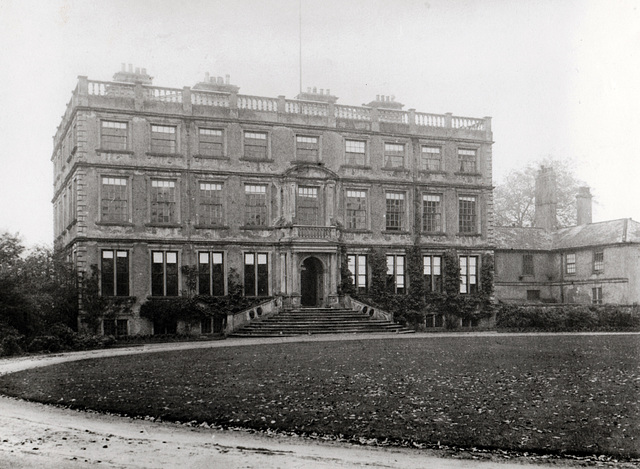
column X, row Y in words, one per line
column 561, row 318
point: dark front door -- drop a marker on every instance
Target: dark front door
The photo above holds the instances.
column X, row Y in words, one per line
column 311, row 282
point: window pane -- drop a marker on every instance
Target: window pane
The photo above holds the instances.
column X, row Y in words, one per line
column 107, row 274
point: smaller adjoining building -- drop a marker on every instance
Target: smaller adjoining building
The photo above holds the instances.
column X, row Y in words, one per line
column 591, row 263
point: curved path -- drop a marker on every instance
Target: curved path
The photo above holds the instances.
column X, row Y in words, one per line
column 39, row 436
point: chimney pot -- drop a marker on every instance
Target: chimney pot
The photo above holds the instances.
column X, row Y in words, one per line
column 220, row 81
column 377, row 97
column 315, row 90
column 328, row 91
column 321, row 91
column 227, row 79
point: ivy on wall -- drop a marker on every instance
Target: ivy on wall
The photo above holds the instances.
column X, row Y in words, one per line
column 95, row 307
column 413, row 307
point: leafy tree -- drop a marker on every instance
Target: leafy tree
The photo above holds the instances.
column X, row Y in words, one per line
column 514, row 197
column 37, row 289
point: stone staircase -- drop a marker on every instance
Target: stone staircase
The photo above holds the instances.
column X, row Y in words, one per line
column 308, row 321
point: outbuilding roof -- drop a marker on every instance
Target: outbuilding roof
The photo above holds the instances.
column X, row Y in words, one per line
column 624, row 230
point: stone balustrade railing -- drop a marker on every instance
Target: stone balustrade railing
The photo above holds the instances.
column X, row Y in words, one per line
column 257, row 103
column 329, row 112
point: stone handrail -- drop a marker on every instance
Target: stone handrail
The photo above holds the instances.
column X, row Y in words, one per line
column 209, row 98
column 240, row 319
column 430, row 120
column 364, row 308
column 307, row 108
column 113, row 89
column 467, row 123
column 353, row 112
column 257, row 103
column 393, row 116
column 167, row 95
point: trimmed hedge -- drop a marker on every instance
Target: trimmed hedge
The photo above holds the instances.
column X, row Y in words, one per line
column 568, row 318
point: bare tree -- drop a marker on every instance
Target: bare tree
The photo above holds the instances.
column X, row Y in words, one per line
column 514, row 197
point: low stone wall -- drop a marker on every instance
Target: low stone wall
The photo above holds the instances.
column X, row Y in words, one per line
column 240, row 319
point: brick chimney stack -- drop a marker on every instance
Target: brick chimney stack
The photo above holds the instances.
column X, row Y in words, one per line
column 583, row 203
column 546, row 200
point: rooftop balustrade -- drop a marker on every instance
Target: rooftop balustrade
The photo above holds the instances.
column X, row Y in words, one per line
column 91, row 92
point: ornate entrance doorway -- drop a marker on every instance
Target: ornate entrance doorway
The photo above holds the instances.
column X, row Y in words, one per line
column 311, row 282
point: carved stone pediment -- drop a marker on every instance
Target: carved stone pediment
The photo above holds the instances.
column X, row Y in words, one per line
column 309, row 171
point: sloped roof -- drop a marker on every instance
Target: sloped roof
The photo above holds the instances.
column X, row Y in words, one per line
column 624, row 230
column 524, row 238
column 607, row 232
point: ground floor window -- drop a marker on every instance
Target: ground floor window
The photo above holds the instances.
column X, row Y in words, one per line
column 164, row 273
column 115, row 327
column 256, row 274
column 358, row 267
column 167, row 326
column 468, row 274
column 468, row 322
column 214, row 325
column 432, row 273
column 596, row 295
column 434, row 320
column 533, row 295
column 114, row 273
column 211, row 273
column 395, row 274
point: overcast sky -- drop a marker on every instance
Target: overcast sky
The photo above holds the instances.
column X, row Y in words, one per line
column 559, row 77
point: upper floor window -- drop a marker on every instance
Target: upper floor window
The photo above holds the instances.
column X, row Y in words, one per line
column 467, row 160
column 164, row 273
column 164, row 139
column 256, row 274
column 431, row 213
column 307, row 207
column 468, row 274
column 356, row 204
column 355, row 152
column 255, row 145
column 394, row 155
column 163, row 201
column 467, row 215
column 527, row 264
column 114, row 200
column 307, row 148
column 114, row 135
column 395, row 274
column 210, row 206
column 431, row 158
column 114, row 273
column 210, row 273
column 357, row 265
column 570, row 263
column 432, row 272
column 598, row 261
column 255, row 205
column 210, row 142
column 395, row 211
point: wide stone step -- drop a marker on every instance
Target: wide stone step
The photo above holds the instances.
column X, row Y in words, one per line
column 308, row 321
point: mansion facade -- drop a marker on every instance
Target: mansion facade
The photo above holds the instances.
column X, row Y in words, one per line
column 150, row 180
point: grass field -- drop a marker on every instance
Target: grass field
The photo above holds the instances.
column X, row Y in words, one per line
column 546, row 394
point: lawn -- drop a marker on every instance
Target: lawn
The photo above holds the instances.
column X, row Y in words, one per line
column 546, row 394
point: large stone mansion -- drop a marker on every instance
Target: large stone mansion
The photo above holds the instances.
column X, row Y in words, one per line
column 150, row 179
